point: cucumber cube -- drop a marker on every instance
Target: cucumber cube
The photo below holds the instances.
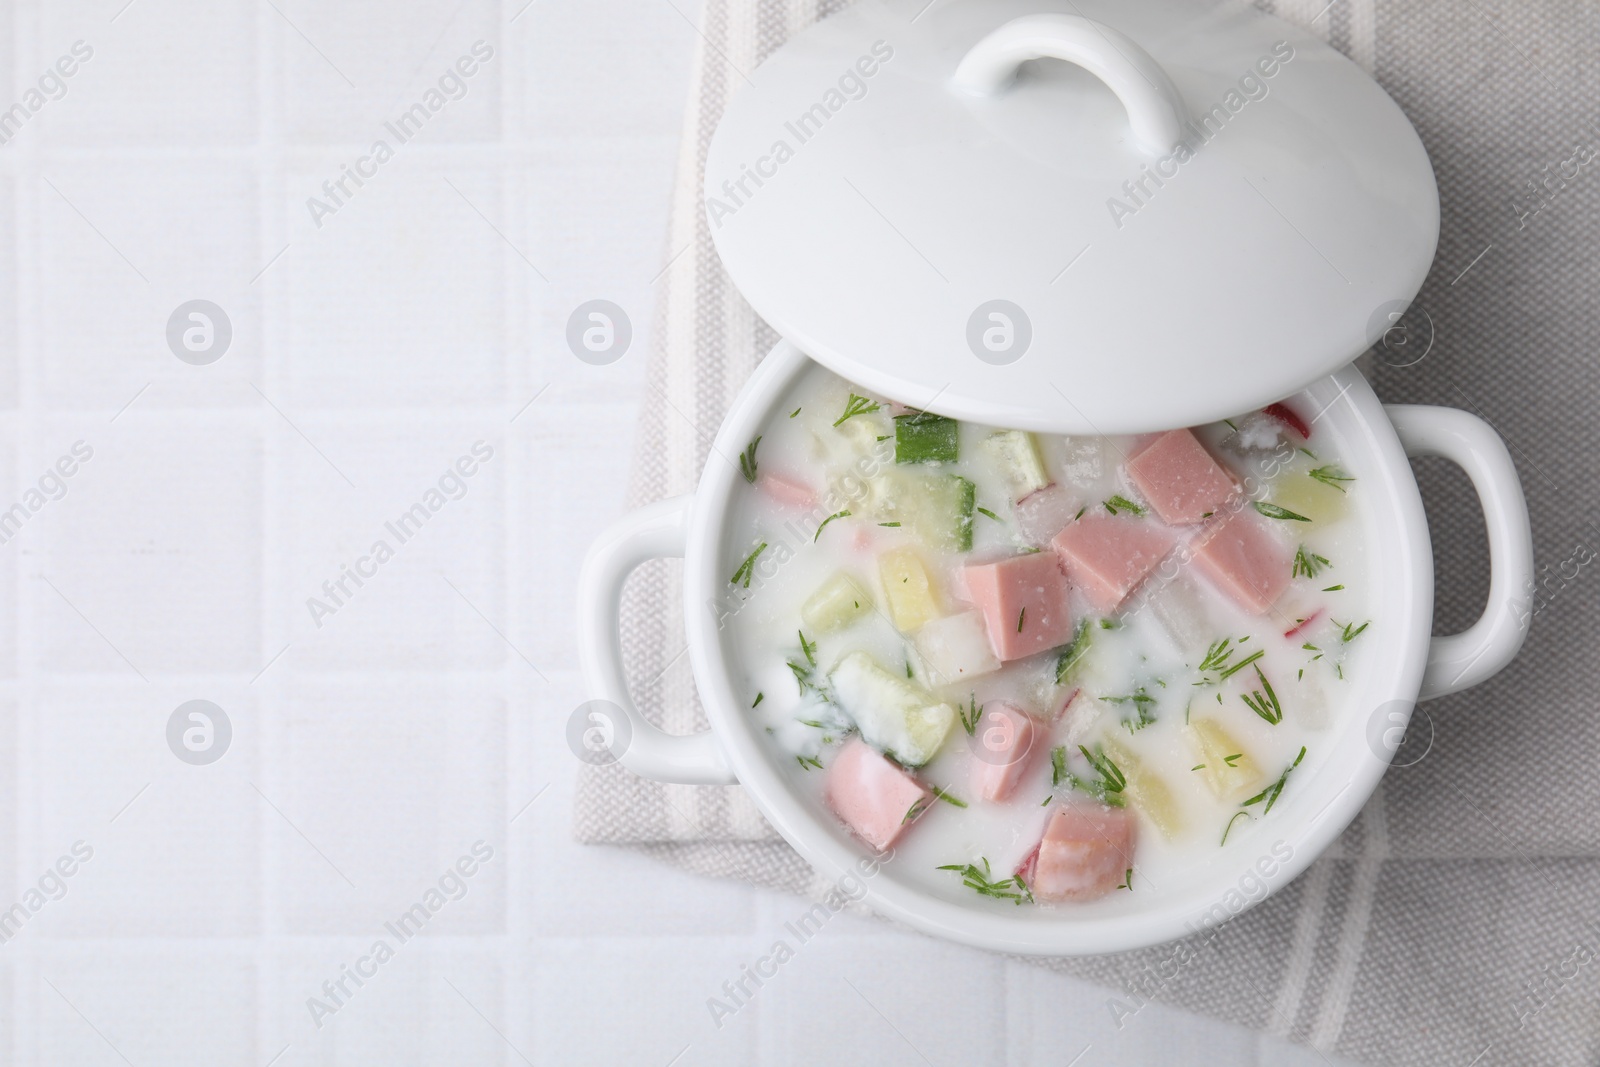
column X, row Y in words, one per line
column 837, row 603
column 895, row 716
column 922, row 437
column 937, row 508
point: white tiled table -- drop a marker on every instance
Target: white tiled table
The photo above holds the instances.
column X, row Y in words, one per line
column 426, row 712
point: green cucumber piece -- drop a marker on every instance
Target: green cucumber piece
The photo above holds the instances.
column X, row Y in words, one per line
column 923, row 437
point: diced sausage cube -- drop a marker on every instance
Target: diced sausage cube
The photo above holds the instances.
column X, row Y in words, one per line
column 1180, row 479
column 1244, row 558
column 1085, row 853
column 1108, row 556
column 1003, row 748
column 1024, row 603
column 873, row 797
column 788, row 490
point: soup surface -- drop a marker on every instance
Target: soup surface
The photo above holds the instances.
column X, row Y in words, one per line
column 1042, row 670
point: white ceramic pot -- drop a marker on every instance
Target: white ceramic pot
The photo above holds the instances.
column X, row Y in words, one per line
column 1279, row 246
column 1373, row 442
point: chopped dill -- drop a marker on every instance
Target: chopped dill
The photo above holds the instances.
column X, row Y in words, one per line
column 747, row 569
column 888, row 524
column 759, row 698
column 1219, row 659
column 856, row 405
column 747, row 461
column 809, row 762
column 1216, row 655
column 1333, row 588
column 980, row 880
column 1308, row 564
column 1109, row 782
column 1058, row 765
column 1264, row 704
column 1020, row 616
column 1119, row 503
column 1349, row 631
column 802, row 676
column 1330, row 476
column 1270, row 793
column 1227, row 829
column 970, row 714
column 793, row 413
column 845, row 514
column 1273, row 511
column 808, row 647
column 1142, row 703
column 1127, row 880
column 949, row 798
column 1072, row 654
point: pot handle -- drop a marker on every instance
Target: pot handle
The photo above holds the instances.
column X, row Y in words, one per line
column 1155, row 107
column 653, row 532
column 1458, row 661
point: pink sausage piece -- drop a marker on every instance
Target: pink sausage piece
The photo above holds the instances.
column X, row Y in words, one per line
column 1085, row 853
column 1108, row 556
column 875, row 798
column 1003, row 746
column 1180, row 479
column 1024, row 603
column 1245, row 559
column 788, row 491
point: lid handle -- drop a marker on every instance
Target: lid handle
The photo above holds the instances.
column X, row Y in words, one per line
column 1156, row 111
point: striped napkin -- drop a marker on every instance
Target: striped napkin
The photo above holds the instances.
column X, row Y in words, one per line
column 1454, row 922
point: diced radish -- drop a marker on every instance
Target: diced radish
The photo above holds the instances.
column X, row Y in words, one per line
column 1085, row 853
column 1254, row 435
column 956, row 648
column 892, row 712
column 1043, row 514
column 1107, row 556
column 1180, row 479
column 1243, row 558
column 1178, row 607
column 1083, row 462
column 1303, row 624
column 1017, row 453
column 787, row 490
column 1065, row 704
column 1286, row 415
column 1005, row 739
column 874, row 798
column 1024, row 603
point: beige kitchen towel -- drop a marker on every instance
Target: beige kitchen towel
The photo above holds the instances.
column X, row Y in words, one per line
column 1455, row 921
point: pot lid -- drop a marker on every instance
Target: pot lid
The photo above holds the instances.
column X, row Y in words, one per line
column 1067, row 215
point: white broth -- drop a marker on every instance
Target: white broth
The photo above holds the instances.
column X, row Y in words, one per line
column 1211, row 611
